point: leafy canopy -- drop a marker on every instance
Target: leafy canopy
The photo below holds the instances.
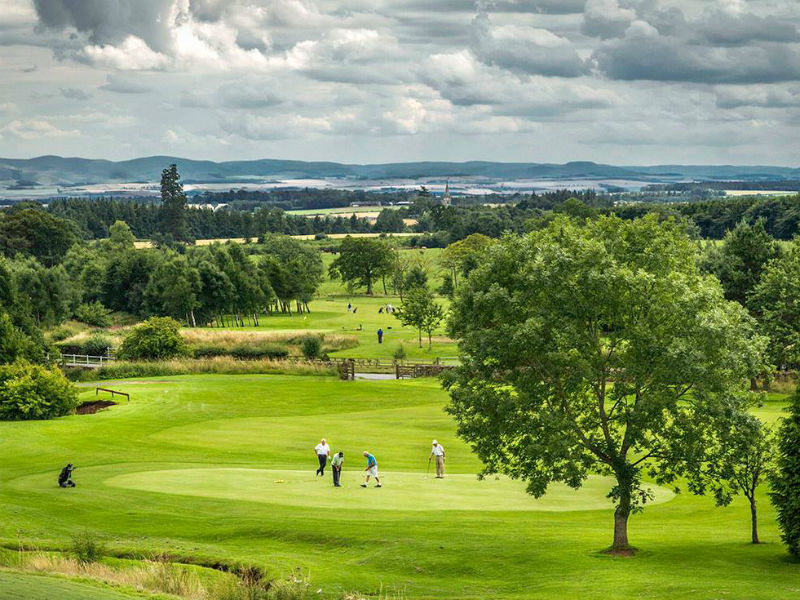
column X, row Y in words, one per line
column 596, row 349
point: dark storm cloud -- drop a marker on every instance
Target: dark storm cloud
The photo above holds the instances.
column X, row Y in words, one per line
column 556, row 7
column 661, row 58
column 525, row 50
column 110, row 21
column 720, row 28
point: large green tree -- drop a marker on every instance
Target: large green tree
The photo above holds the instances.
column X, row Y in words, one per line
column 596, row 349
column 361, row 261
column 785, row 480
column 741, row 258
column 30, row 230
column 775, row 302
column 173, row 205
column 419, row 309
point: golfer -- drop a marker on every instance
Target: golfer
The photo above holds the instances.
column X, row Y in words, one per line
column 323, row 451
column 437, row 452
column 336, row 467
column 380, row 336
column 372, row 469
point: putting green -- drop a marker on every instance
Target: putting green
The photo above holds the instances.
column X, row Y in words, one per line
column 400, row 491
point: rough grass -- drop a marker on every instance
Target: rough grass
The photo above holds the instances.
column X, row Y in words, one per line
column 185, row 366
column 228, row 338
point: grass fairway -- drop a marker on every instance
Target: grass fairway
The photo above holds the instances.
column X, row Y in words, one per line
column 222, row 467
column 19, row 586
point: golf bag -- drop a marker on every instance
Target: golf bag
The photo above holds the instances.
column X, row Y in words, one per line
column 65, row 477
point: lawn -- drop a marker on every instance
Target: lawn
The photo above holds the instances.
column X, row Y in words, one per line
column 332, row 316
column 222, row 467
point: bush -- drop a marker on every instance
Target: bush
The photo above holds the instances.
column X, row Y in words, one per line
column 34, row 392
column 209, row 350
column 97, row 344
column 262, row 351
column 311, row 346
column 400, row 353
column 86, row 547
column 94, row 314
column 156, row 338
column 63, row 332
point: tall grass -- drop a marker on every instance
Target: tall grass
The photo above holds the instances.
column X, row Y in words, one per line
column 185, row 366
column 230, row 339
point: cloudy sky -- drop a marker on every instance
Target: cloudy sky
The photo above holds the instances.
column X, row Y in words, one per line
column 617, row 81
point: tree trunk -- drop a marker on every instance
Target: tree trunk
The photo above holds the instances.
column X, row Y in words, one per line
column 420, row 337
column 430, row 342
column 621, row 514
column 753, row 520
column 383, row 280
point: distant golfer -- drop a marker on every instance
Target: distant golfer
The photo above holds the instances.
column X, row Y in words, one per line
column 372, row 469
column 437, row 452
column 349, row 306
column 380, row 336
column 336, row 467
column 323, row 451
column 65, row 477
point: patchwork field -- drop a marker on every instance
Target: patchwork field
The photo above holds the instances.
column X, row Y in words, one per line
column 222, row 468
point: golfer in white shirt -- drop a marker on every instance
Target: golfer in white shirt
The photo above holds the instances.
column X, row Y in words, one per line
column 437, row 452
column 323, row 451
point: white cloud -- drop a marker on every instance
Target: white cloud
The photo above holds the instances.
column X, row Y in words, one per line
column 133, row 54
column 31, row 129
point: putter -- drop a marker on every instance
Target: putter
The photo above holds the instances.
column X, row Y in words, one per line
column 428, row 470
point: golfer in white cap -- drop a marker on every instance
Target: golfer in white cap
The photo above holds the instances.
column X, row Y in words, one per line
column 437, row 452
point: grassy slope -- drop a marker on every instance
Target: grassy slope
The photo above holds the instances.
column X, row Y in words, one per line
column 690, row 549
column 19, row 586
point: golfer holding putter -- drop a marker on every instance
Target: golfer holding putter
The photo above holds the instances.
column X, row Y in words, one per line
column 323, row 451
column 437, row 452
column 372, row 469
column 336, row 467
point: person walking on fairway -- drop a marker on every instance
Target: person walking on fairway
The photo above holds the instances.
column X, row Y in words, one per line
column 336, row 467
column 437, row 452
column 323, row 451
column 380, row 336
column 372, row 469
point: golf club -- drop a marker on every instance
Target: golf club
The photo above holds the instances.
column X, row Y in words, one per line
column 428, row 470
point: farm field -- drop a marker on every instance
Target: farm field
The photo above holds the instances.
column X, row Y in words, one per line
column 221, row 468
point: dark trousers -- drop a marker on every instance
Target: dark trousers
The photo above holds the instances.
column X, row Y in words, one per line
column 323, row 461
column 337, row 472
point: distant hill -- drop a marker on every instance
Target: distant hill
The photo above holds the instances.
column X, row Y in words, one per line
column 59, row 171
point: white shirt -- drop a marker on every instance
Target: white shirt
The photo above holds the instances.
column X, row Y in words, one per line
column 322, row 449
column 437, row 450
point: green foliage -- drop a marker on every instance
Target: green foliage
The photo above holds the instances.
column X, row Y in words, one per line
column 30, row 391
column 390, row 221
column 549, row 321
column 156, row 338
column 311, row 345
column 97, row 344
column 93, row 313
column 173, row 205
column 86, row 547
column 361, row 261
column 416, row 277
column 785, row 481
column 14, row 343
column 740, row 457
column 740, row 260
column 30, row 230
column 420, row 310
column 776, row 303
column 258, row 351
column 400, row 353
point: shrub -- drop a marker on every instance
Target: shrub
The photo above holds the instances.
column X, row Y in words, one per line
column 94, row 314
column 97, row 344
column 261, row 351
column 86, row 547
column 311, row 346
column 400, row 353
column 34, row 392
column 156, row 338
column 209, row 350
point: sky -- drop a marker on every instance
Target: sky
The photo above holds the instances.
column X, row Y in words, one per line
column 627, row 82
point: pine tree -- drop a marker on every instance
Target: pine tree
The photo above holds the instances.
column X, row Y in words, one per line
column 785, row 482
column 173, row 207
